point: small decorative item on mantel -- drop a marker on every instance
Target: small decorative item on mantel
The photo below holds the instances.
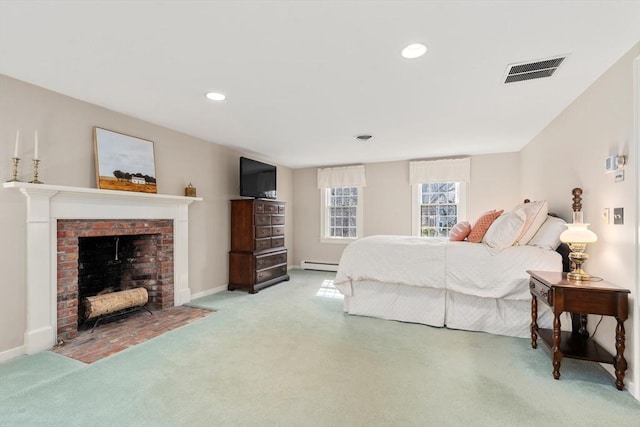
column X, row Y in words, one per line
column 190, row 190
column 15, row 158
column 36, row 162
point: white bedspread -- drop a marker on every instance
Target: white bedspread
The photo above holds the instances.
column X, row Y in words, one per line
column 392, row 259
column 463, row 267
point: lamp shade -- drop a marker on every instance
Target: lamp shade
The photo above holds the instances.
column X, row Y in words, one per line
column 578, row 233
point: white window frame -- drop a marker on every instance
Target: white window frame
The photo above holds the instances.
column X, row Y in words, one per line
column 325, row 193
column 416, row 202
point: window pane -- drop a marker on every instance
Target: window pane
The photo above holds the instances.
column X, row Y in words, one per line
column 438, row 210
column 343, row 215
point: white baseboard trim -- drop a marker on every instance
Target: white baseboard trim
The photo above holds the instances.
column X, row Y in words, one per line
column 208, row 292
column 317, row 265
column 633, row 390
column 7, row 355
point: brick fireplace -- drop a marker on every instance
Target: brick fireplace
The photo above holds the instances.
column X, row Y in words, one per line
column 111, row 255
column 52, row 208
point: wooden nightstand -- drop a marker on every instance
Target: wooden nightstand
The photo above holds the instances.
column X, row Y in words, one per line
column 587, row 298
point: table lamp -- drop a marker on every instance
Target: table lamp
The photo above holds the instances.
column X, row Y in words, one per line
column 577, row 236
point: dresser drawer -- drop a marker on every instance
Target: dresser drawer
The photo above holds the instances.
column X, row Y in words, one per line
column 270, row 208
column 266, row 261
column 262, row 244
column 272, row 273
column 541, row 291
column 263, row 232
column 281, row 209
column 262, row 219
column 277, row 219
column 277, row 230
column 277, row 242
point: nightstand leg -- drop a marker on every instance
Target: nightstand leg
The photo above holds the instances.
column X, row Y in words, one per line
column 620, row 362
column 534, row 321
column 557, row 354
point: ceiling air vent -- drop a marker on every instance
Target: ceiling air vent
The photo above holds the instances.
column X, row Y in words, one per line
column 533, row 70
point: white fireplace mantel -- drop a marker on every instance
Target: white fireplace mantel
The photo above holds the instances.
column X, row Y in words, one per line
column 48, row 203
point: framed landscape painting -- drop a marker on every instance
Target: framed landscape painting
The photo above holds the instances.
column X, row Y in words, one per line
column 124, row 162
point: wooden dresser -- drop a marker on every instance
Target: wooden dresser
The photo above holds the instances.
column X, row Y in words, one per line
column 258, row 257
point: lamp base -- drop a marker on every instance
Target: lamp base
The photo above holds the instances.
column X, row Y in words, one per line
column 578, row 274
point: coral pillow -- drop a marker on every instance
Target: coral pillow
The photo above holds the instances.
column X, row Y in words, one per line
column 482, row 225
column 536, row 215
column 504, row 231
column 460, row 231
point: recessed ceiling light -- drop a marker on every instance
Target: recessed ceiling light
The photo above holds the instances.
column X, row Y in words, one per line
column 215, row 96
column 413, row 51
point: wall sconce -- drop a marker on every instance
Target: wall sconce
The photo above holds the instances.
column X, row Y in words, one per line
column 577, row 236
column 613, row 163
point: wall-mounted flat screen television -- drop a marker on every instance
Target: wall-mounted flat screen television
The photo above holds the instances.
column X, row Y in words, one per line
column 257, row 179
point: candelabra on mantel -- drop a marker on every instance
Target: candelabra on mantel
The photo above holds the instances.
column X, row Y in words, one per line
column 16, row 160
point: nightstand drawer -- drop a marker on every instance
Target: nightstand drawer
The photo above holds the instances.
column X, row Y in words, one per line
column 541, row 291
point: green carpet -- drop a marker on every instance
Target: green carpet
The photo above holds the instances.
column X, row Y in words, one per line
column 286, row 357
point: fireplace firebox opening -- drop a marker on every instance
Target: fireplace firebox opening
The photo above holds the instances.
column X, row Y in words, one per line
column 97, row 257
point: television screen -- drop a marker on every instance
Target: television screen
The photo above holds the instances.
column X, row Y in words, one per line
column 257, row 179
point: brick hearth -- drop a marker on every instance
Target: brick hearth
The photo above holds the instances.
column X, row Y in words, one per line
column 154, row 248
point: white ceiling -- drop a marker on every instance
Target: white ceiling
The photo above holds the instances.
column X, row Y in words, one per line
column 303, row 78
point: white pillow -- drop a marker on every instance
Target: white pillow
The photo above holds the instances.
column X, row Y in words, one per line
column 548, row 236
column 536, row 213
column 504, row 231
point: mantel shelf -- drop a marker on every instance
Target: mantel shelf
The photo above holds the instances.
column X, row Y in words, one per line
column 93, row 193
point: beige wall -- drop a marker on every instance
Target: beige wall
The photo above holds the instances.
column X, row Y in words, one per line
column 387, row 201
column 66, row 148
column 570, row 153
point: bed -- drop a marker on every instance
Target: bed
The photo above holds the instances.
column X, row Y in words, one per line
column 445, row 283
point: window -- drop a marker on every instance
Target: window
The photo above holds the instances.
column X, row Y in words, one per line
column 342, row 214
column 437, row 207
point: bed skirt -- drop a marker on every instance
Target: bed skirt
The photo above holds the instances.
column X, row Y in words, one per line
column 440, row 307
column 396, row 302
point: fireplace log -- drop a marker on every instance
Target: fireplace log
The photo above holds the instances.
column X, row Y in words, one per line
column 101, row 305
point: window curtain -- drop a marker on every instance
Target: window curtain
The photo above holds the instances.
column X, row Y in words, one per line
column 344, row 176
column 446, row 170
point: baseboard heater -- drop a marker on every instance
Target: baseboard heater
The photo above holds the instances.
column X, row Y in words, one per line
column 315, row 265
